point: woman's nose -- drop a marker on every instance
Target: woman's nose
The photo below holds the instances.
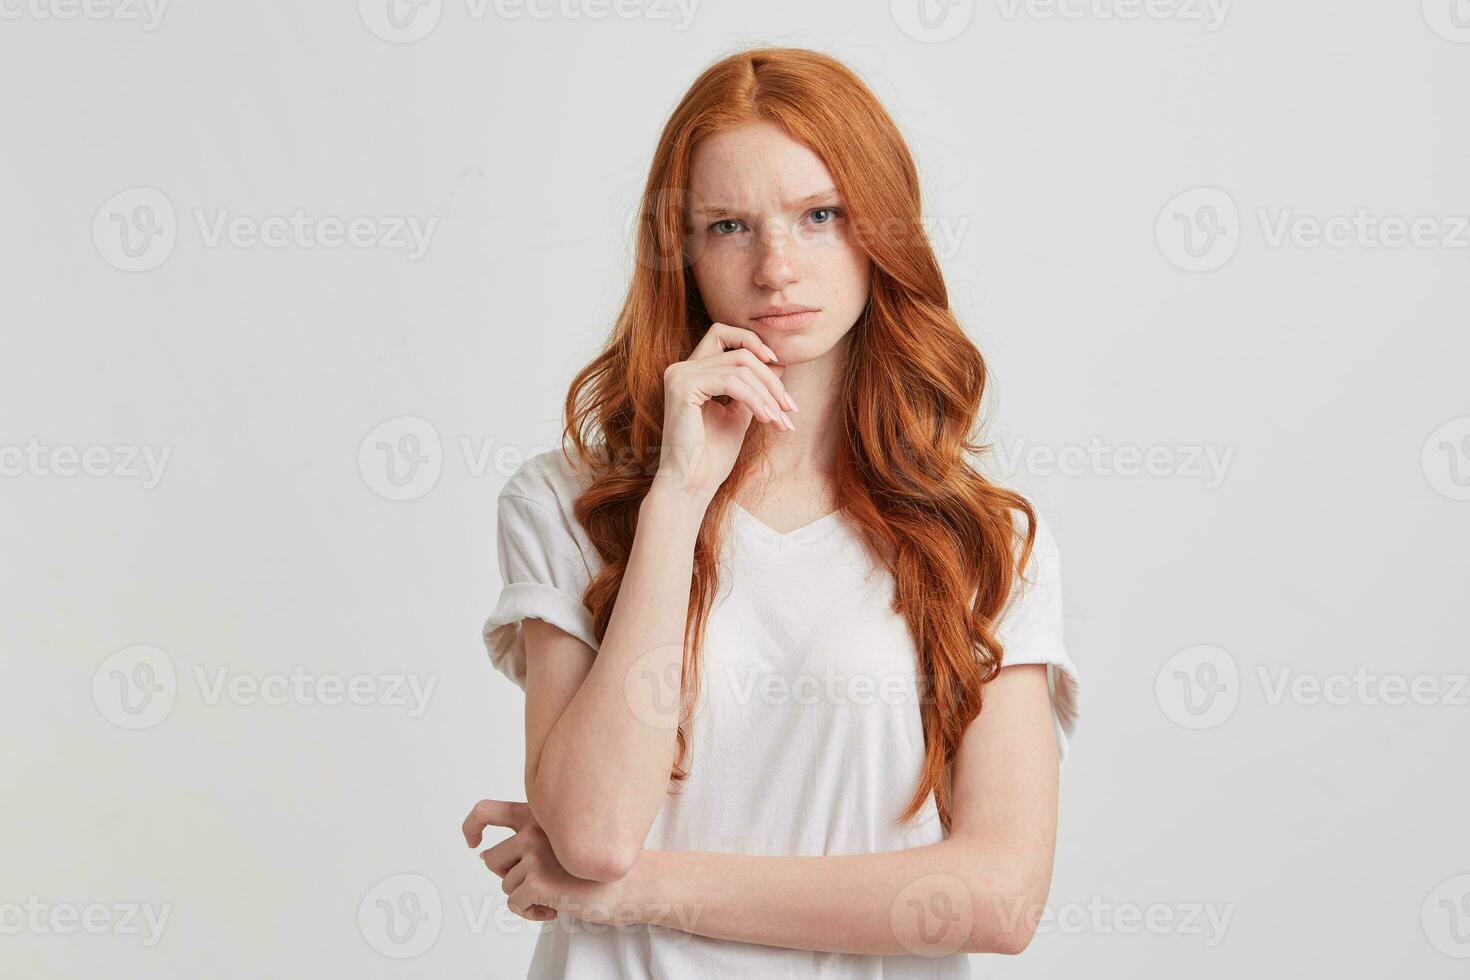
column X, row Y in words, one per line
column 775, row 265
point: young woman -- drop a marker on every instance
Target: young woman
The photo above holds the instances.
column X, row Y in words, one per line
column 758, row 610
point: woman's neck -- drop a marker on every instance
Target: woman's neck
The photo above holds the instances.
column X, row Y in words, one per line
column 809, row 452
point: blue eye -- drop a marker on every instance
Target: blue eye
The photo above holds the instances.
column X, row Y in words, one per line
column 722, row 229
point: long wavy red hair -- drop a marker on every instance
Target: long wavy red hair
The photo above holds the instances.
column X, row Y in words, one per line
column 911, row 399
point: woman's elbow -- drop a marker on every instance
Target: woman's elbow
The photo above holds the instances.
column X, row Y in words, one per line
column 594, row 852
column 1006, row 915
column 595, row 863
column 589, row 854
column 1009, row 942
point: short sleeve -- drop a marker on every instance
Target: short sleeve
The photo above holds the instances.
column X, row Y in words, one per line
column 1030, row 632
column 543, row 575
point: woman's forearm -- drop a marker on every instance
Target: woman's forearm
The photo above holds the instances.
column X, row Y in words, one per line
column 952, row 896
column 604, row 768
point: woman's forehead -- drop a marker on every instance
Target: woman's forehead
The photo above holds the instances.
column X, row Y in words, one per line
column 755, row 164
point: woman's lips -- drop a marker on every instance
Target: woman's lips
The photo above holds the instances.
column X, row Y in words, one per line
column 788, row 321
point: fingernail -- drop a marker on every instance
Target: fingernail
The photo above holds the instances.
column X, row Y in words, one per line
column 773, row 356
column 794, row 408
column 790, row 425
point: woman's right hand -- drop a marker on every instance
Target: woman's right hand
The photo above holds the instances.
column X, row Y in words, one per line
column 701, row 437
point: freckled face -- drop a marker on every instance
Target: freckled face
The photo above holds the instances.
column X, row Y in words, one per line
column 768, row 230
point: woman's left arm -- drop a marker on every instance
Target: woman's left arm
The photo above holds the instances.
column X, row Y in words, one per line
column 981, row 890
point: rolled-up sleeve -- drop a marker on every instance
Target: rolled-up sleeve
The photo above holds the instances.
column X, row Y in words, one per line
column 543, row 576
column 1030, row 632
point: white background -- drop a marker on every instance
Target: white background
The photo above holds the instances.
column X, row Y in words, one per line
column 1052, row 150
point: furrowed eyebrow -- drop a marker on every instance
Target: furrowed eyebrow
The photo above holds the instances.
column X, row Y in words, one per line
column 719, row 211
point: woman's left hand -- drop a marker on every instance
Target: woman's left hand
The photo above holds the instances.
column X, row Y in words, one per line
column 537, row 886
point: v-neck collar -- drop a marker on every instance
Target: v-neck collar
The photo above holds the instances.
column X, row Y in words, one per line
column 785, row 539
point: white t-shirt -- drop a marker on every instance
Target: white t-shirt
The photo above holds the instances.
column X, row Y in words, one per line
column 807, row 738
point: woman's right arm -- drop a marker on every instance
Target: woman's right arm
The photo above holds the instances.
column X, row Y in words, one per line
column 600, row 728
column 605, row 723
